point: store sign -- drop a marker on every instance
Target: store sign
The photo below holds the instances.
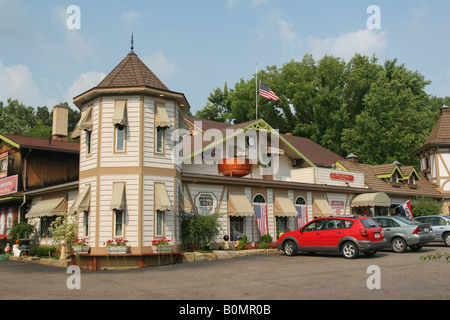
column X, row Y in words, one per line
column 342, row 176
column 3, row 164
column 9, row 185
column 205, row 202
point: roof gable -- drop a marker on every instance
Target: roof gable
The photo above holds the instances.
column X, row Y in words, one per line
column 440, row 134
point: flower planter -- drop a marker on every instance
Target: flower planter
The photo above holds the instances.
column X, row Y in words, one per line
column 234, row 168
column 162, row 249
column 118, row 249
column 81, row 249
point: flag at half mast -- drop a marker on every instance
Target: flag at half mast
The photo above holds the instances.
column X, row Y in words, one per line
column 266, row 92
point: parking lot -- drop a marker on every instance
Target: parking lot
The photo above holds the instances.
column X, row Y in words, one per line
column 268, row 277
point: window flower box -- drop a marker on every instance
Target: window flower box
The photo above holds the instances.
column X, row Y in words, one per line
column 161, row 246
column 117, row 246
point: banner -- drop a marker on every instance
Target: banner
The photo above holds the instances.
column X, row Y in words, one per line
column 406, row 210
column 9, row 185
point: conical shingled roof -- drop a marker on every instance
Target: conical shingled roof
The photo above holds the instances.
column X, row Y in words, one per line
column 131, row 72
column 440, row 134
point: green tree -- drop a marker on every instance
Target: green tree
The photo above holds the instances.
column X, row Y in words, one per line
column 426, row 206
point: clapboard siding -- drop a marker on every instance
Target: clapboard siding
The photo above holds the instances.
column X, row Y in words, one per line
column 88, row 162
column 149, row 212
column 130, row 157
column 90, row 236
column 106, row 223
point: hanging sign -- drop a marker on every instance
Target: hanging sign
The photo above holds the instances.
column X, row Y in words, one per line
column 342, row 176
column 8, row 185
column 205, row 202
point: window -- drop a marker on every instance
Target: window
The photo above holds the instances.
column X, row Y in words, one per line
column 45, row 226
column 300, row 201
column 88, row 142
column 315, row 225
column 236, row 227
column 120, row 138
column 119, row 218
column 86, row 223
column 282, row 224
column 159, row 140
column 259, row 198
column 159, row 232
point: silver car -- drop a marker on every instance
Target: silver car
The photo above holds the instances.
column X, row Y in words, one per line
column 440, row 225
column 402, row 233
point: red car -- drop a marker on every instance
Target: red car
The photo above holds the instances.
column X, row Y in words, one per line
column 349, row 235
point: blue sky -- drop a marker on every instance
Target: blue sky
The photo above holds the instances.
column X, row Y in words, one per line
column 195, row 46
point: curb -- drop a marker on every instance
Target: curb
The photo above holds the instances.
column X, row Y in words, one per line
column 43, row 261
column 222, row 254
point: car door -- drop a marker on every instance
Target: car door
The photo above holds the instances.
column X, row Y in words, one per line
column 389, row 227
column 310, row 235
column 331, row 233
column 438, row 225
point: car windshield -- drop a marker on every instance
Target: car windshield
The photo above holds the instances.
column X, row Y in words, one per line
column 369, row 223
column 406, row 220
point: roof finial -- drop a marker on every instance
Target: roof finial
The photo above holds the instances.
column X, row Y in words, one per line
column 132, row 44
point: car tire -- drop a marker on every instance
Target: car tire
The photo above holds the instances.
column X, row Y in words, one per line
column 290, row 248
column 398, row 245
column 349, row 250
column 446, row 239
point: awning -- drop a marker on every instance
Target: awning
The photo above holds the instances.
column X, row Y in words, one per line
column 120, row 113
column 283, row 207
column 379, row 199
column 238, row 205
column 48, row 207
column 82, row 202
column 184, row 202
column 321, row 207
column 161, row 117
column 162, row 202
column 118, row 196
column 85, row 123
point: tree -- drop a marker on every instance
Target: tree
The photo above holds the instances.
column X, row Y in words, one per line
column 426, row 206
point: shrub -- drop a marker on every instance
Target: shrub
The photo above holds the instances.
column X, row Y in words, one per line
column 45, row 251
column 426, row 206
column 266, row 238
column 198, row 229
column 22, row 230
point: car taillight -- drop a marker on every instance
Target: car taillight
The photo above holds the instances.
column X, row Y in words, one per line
column 364, row 233
column 382, row 233
column 416, row 231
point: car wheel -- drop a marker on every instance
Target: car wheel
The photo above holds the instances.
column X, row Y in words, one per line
column 290, row 248
column 398, row 245
column 447, row 240
column 349, row 250
column 417, row 247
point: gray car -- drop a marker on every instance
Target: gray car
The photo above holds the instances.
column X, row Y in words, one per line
column 440, row 225
column 402, row 233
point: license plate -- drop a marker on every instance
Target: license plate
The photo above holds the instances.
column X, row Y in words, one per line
column 377, row 235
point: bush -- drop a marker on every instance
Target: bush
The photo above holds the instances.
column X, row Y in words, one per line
column 198, row 229
column 426, row 206
column 22, row 230
column 266, row 238
column 45, row 251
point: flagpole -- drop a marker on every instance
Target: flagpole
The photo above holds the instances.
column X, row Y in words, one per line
column 256, row 91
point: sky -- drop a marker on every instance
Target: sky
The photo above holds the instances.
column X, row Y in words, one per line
column 50, row 53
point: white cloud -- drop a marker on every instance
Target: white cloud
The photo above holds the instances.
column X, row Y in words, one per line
column 17, row 82
column 365, row 41
column 160, row 65
column 84, row 82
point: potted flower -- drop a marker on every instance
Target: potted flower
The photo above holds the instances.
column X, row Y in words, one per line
column 80, row 245
column 161, row 245
column 117, row 246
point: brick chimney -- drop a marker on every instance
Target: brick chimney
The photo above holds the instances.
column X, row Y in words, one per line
column 60, row 122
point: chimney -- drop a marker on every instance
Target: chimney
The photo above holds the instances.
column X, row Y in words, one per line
column 60, row 122
column 352, row 158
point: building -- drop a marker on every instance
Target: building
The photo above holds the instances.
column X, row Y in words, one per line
column 33, row 169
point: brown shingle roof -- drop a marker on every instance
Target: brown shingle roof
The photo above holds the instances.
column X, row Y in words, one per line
column 131, row 72
column 423, row 186
column 440, row 134
column 43, row 144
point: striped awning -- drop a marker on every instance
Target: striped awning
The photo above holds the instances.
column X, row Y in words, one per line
column 48, row 207
column 378, row 199
column 238, row 205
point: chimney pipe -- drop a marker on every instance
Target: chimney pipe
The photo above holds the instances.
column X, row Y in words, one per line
column 60, row 122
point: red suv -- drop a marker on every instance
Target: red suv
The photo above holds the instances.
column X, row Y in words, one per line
column 349, row 235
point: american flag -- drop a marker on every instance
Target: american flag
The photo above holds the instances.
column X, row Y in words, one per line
column 266, row 92
column 302, row 215
column 261, row 218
